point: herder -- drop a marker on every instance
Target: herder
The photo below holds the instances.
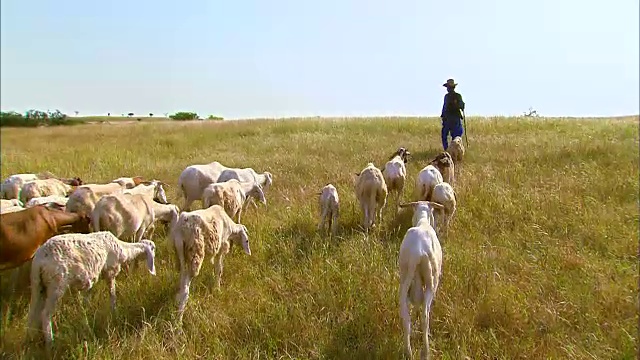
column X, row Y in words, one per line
column 451, row 116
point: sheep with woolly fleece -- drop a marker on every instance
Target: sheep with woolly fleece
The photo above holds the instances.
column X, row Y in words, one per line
column 329, row 208
column 195, row 178
column 233, row 196
column 420, row 264
column 11, row 185
column 200, row 233
column 4, row 203
column 444, row 163
column 10, row 209
column 456, row 149
column 427, row 178
column 128, row 182
column 82, row 201
column 41, row 188
column 371, row 192
column 444, row 195
column 60, row 200
column 395, row 173
column 77, row 261
column 127, row 216
column 151, row 189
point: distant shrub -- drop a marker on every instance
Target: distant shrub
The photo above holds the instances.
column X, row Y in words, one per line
column 33, row 118
column 211, row 117
column 183, row 115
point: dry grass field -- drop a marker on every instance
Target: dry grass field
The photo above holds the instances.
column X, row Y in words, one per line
column 541, row 261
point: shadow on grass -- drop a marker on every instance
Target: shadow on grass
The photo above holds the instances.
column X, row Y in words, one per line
column 356, row 340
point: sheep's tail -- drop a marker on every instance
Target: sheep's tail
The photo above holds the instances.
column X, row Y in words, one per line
column 38, row 291
column 193, row 243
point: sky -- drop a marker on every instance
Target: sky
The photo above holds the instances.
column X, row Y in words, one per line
column 283, row 58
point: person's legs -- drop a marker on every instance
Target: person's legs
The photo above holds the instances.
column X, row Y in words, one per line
column 445, row 134
column 457, row 129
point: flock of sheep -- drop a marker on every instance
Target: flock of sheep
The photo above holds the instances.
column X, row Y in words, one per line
column 129, row 208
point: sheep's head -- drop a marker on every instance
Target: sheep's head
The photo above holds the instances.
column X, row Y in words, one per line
column 403, row 153
column 268, row 180
column 159, row 194
column 443, row 160
column 76, row 181
column 258, row 194
column 241, row 236
column 422, row 210
column 150, row 251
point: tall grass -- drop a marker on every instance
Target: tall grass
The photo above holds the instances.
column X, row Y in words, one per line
column 541, row 261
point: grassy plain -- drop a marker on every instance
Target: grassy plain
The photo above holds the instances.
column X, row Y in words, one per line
column 541, row 262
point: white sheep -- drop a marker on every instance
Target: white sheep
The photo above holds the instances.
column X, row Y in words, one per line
column 371, row 192
column 427, row 178
column 456, row 149
column 10, row 209
column 128, row 182
column 60, row 200
column 329, row 208
column 127, row 216
column 233, row 196
column 11, row 186
column 395, row 173
column 420, row 263
column 444, row 195
column 77, row 261
column 4, row 203
column 444, row 163
column 152, row 189
column 200, row 233
column 40, row 188
column 195, row 178
column 82, row 201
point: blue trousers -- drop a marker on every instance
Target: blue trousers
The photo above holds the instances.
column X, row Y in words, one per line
column 451, row 126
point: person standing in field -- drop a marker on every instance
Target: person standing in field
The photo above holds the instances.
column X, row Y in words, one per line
column 451, row 116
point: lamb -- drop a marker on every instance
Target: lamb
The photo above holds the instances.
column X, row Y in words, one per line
column 233, row 196
column 60, row 200
column 329, row 208
column 47, row 187
column 77, row 261
column 152, row 189
column 456, row 149
column 4, row 203
column 371, row 192
column 128, row 182
column 444, row 163
column 420, row 263
column 427, row 178
column 201, row 233
column 444, row 195
column 195, row 178
column 395, row 172
column 127, row 216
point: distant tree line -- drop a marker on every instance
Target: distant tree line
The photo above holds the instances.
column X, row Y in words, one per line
column 33, row 118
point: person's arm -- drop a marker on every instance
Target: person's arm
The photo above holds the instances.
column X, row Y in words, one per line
column 461, row 102
column 444, row 106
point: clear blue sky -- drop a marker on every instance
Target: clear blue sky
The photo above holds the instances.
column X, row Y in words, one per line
column 272, row 58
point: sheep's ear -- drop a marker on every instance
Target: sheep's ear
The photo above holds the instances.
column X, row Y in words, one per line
column 319, row 193
column 435, row 205
column 150, row 259
column 357, row 174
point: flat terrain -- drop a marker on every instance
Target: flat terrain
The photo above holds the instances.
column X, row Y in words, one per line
column 541, row 261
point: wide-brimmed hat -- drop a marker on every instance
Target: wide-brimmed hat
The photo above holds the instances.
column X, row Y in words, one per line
column 450, row 83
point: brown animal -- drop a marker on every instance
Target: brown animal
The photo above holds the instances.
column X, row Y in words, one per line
column 22, row 232
column 444, row 163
